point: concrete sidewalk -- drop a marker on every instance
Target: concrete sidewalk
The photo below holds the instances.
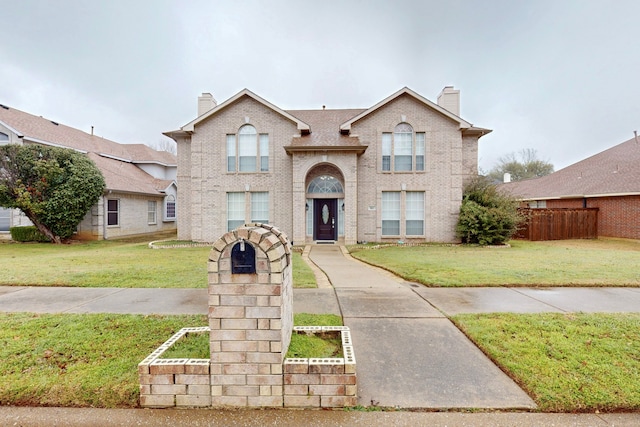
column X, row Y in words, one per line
column 409, row 354
column 80, row 417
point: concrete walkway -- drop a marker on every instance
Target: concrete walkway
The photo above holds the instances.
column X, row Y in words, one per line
column 409, row 354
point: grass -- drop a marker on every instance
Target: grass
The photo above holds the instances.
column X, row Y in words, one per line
column 566, row 362
column 90, row 360
column 602, row 262
column 85, row 360
column 303, row 276
column 102, row 264
column 118, row 264
column 327, row 345
column 196, row 345
column 190, row 346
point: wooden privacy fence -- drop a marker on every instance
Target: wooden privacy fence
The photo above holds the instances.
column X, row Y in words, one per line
column 559, row 224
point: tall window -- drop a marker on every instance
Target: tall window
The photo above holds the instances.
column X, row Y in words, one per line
column 152, row 208
column 237, row 214
column 260, row 207
column 4, row 138
column 235, row 210
column 170, row 207
column 113, row 212
column 414, row 212
column 403, row 150
column 248, row 151
column 390, row 213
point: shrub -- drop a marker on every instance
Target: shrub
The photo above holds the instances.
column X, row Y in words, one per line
column 27, row 234
column 487, row 217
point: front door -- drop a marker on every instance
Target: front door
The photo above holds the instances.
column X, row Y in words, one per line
column 325, row 221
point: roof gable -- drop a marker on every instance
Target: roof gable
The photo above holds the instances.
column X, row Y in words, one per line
column 346, row 126
column 190, row 127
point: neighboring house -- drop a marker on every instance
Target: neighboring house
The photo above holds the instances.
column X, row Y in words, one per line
column 391, row 172
column 141, row 191
column 609, row 181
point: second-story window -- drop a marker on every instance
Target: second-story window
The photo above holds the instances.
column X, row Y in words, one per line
column 403, row 150
column 248, row 151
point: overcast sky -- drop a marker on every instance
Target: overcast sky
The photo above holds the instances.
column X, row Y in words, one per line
column 561, row 77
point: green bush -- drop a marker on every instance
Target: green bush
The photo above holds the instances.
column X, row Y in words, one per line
column 27, row 234
column 487, row 217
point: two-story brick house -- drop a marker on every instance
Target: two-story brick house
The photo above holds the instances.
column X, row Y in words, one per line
column 391, row 172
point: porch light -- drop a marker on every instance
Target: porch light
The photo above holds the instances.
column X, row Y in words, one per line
column 306, row 207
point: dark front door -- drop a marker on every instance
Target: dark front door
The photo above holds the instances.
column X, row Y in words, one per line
column 325, row 221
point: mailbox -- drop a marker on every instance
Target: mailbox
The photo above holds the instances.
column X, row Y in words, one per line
column 243, row 258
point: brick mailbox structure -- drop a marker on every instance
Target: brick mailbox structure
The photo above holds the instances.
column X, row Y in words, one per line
column 250, row 326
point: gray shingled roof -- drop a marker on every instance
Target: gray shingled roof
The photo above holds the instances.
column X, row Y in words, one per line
column 615, row 171
column 325, row 126
column 116, row 161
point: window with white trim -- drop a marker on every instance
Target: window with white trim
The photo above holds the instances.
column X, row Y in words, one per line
column 113, row 212
column 403, row 150
column 237, row 214
column 170, row 208
column 402, row 213
column 390, row 213
column 152, row 209
column 248, row 151
column 260, row 207
column 414, row 213
column 235, row 210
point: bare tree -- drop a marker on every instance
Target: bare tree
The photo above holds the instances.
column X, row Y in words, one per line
column 165, row 144
column 523, row 165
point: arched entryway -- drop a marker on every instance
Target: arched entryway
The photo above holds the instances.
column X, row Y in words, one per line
column 325, row 203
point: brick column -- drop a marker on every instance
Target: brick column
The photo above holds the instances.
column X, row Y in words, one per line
column 251, row 318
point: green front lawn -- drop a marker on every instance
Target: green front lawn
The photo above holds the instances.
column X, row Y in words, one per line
column 91, row 360
column 566, row 362
column 118, row 264
column 602, row 262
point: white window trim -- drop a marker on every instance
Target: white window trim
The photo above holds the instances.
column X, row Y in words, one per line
column 388, row 149
column 262, row 159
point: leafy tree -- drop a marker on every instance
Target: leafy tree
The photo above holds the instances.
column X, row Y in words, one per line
column 523, row 166
column 54, row 187
column 487, row 216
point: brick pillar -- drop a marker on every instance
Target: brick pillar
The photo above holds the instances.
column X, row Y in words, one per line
column 251, row 318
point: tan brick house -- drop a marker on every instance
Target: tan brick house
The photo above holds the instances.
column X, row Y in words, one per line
column 390, row 172
column 141, row 191
column 609, row 181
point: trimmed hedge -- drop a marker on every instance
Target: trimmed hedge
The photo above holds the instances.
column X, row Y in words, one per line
column 27, row 234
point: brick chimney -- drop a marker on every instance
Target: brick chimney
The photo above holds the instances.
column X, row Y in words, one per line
column 449, row 99
column 205, row 103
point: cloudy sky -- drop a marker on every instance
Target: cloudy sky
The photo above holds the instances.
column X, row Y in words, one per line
column 558, row 76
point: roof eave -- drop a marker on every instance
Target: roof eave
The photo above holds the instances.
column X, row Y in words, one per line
column 580, row 196
column 52, row 144
column 303, row 127
column 332, row 148
column 346, row 127
column 475, row 131
column 12, row 129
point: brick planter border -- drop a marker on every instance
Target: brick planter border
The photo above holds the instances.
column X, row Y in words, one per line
column 307, row 383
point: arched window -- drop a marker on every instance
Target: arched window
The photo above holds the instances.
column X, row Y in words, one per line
column 247, row 150
column 403, row 150
column 169, row 208
column 325, row 184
